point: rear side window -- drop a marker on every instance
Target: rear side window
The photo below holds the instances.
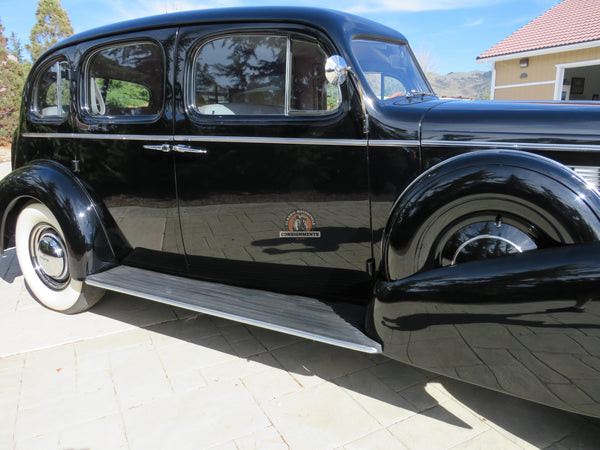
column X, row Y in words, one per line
column 52, row 91
column 261, row 75
column 125, row 80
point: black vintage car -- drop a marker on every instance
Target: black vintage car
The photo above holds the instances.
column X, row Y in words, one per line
column 292, row 168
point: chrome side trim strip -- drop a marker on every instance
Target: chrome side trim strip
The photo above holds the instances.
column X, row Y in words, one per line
column 109, row 137
column 394, row 143
column 512, row 145
column 273, row 140
column 323, row 142
column 224, row 139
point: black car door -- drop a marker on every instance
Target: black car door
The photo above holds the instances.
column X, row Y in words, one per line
column 271, row 163
column 123, row 131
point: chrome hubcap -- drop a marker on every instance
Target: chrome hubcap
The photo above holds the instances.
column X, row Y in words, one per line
column 49, row 256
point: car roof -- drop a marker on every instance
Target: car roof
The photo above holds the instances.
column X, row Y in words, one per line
column 336, row 23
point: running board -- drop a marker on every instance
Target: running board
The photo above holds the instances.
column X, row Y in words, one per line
column 305, row 317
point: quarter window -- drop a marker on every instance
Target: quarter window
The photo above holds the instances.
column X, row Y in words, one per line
column 261, row 75
column 52, row 92
column 125, row 80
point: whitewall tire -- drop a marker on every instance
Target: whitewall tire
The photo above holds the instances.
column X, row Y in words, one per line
column 44, row 259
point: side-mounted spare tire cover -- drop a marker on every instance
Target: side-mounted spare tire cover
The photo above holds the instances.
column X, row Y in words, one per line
column 544, row 202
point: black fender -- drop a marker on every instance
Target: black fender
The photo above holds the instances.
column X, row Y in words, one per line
column 566, row 207
column 94, row 240
column 523, row 324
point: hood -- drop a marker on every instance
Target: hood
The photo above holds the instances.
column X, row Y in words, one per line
column 551, row 123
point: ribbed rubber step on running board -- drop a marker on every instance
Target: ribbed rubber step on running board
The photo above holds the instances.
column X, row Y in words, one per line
column 301, row 316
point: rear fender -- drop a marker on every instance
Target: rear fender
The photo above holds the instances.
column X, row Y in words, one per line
column 94, row 240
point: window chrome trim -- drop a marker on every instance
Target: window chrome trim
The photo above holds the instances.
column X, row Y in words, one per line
column 84, row 103
column 512, row 145
column 190, row 77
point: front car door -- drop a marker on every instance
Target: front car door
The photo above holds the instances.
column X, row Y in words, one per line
column 271, row 163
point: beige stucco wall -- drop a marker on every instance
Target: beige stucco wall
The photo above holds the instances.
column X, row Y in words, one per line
column 541, row 68
column 537, row 92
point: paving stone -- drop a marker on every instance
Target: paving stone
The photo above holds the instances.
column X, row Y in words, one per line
column 399, row 376
column 517, row 420
column 265, row 439
column 424, row 396
column 237, row 368
column 490, row 439
column 273, row 340
column 270, row 384
column 138, row 376
column 381, row 402
column 453, row 424
column 321, row 416
column 66, row 411
column 379, row 440
column 312, row 362
column 190, row 329
column 583, row 438
column 106, row 433
column 196, row 419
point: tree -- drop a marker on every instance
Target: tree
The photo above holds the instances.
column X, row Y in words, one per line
column 52, row 25
column 15, row 48
column 426, row 59
column 12, row 79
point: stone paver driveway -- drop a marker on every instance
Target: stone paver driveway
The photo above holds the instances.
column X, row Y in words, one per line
column 135, row 374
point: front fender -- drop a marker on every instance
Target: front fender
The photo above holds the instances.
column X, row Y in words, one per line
column 94, row 241
column 524, row 324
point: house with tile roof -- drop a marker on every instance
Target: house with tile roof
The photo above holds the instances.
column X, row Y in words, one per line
column 554, row 57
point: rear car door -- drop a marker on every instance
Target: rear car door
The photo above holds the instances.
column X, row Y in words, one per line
column 123, row 130
column 271, row 163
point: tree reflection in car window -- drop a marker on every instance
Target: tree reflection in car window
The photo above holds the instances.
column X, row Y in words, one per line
column 246, row 75
column 126, row 80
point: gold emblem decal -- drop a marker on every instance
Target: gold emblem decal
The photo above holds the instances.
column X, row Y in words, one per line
column 299, row 224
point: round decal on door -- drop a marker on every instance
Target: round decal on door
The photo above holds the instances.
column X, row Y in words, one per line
column 299, row 224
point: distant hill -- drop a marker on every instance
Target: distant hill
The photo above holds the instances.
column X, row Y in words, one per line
column 474, row 84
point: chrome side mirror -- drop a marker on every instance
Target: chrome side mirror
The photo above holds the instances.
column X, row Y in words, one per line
column 336, row 70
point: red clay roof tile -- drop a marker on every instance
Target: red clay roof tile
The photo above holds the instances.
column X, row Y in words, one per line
column 569, row 22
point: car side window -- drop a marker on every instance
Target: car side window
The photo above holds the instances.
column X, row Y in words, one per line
column 261, row 75
column 125, row 80
column 52, row 91
column 310, row 91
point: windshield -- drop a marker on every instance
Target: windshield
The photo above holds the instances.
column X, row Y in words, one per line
column 389, row 69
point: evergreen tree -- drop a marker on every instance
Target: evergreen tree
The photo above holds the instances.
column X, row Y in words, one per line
column 12, row 79
column 52, row 25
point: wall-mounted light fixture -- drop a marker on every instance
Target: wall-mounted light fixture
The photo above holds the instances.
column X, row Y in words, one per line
column 523, row 75
column 524, row 62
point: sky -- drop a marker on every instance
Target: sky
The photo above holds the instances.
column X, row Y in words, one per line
column 452, row 32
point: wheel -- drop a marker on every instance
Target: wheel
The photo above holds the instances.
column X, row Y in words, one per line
column 43, row 257
column 476, row 228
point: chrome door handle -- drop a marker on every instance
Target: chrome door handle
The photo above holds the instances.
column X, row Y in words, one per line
column 187, row 149
column 160, row 148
